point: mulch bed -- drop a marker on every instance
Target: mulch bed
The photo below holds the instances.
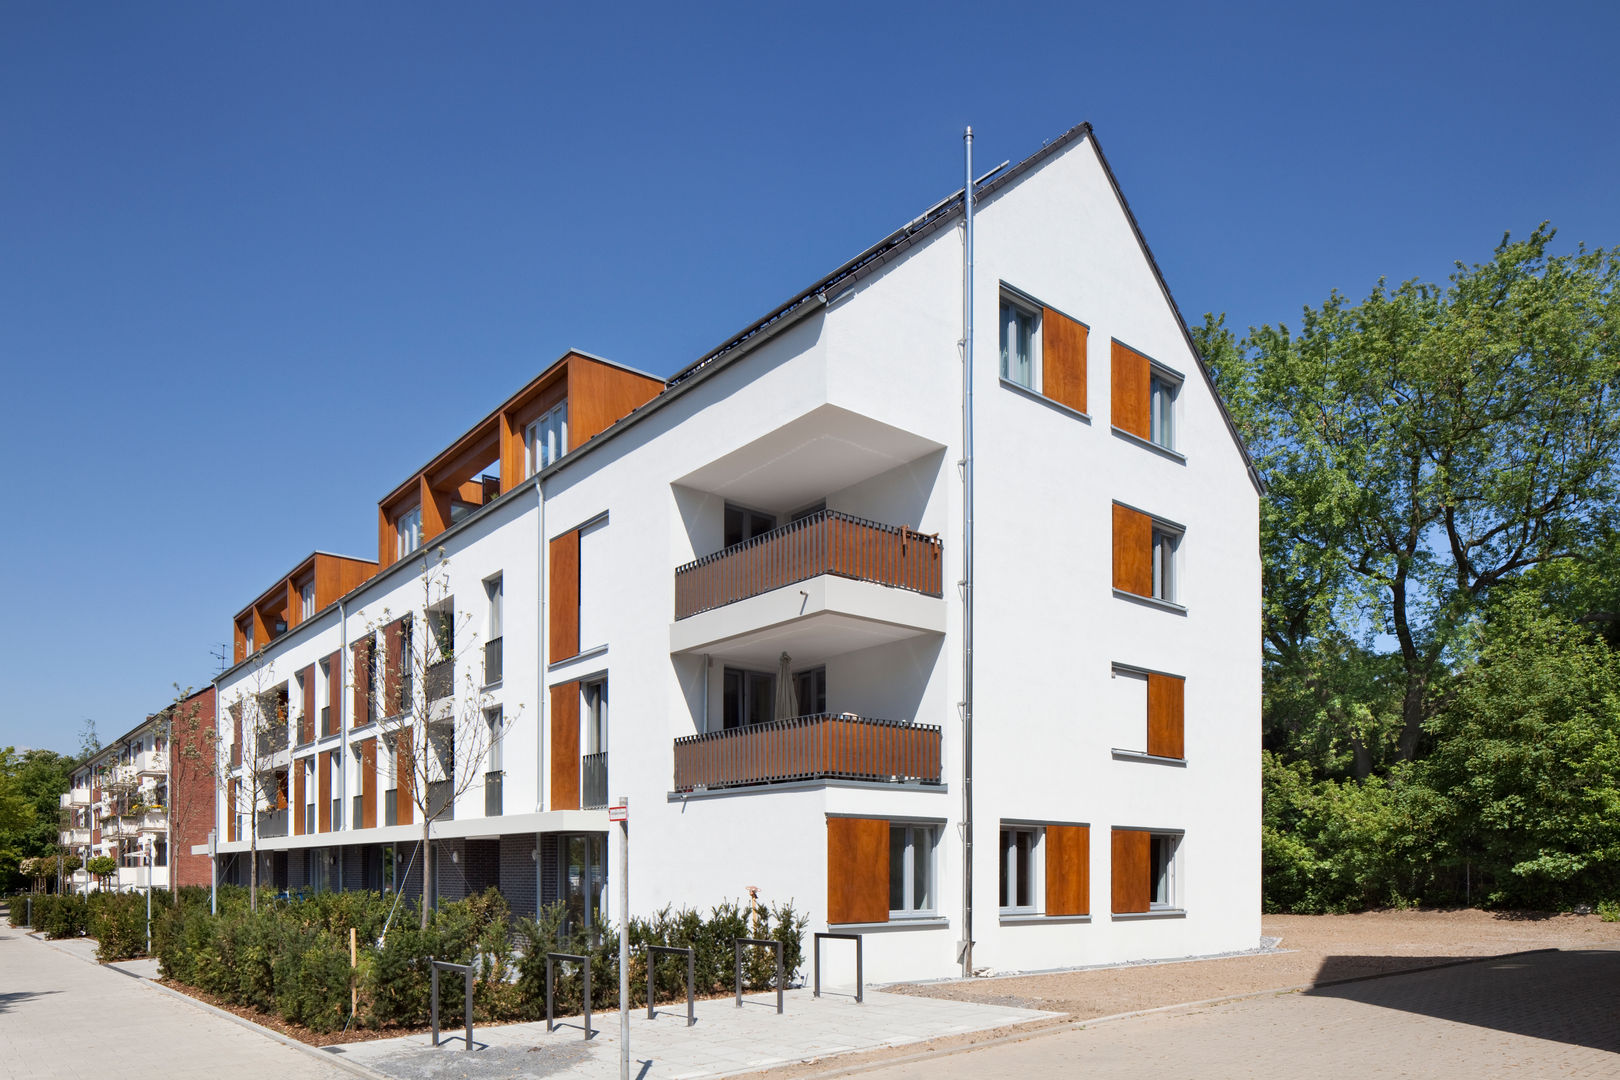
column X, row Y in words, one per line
column 299, row 1031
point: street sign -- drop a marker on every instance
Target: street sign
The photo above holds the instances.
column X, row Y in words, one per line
column 618, row 813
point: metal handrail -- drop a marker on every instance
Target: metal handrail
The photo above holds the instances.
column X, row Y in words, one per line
column 818, row 746
column 810, row 547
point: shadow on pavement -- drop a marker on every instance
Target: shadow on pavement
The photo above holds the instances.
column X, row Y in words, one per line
column 13, row 997
column 1564, row 996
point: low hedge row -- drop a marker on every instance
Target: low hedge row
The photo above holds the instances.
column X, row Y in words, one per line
column 291, row 957
column 116, row 920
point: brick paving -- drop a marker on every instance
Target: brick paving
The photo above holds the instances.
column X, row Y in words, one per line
column 1547, row 1014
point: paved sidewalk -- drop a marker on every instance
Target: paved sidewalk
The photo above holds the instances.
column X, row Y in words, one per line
column 64, row 1019
column 1543, row 1015
column 725, row 1040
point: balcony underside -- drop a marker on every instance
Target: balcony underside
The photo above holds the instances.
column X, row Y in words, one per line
column 811, row 620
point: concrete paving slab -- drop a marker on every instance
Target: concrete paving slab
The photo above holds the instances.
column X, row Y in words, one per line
column 725, row 1041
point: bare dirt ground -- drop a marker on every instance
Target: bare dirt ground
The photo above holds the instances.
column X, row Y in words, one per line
column 1316, row 949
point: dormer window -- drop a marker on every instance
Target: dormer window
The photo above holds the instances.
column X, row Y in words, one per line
column 306, row 600
column 408, row 529
column 546, row 439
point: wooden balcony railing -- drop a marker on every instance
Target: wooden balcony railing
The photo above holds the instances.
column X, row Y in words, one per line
column 828, row 542
column 809, row 748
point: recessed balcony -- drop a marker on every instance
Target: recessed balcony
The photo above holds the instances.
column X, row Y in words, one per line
column 821, row 747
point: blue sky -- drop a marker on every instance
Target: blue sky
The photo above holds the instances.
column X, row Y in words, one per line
column 258, row 262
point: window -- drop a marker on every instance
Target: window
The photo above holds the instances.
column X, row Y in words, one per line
column 493, row 589
column 1020, row 868
column 408, row 528
column 1162, row 391
column 810, row 688
column 1155, row 697
column 1165, row 542
column 1162, row 891
column 247, row 637
column 546, row 439
column 306, row 600
column 911, row 869
column 745, row 524
column 1020, row 344
column 749, row 697
column 595, row 701
column 493, row 721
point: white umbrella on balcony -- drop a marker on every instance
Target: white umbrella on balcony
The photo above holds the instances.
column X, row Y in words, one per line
column 787, row 700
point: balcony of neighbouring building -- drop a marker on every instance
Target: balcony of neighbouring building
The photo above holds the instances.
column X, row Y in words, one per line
column 820, row 747
column 152, row 763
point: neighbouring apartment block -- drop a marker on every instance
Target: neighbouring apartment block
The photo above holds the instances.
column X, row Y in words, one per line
column 734, row 597
column 145, row 799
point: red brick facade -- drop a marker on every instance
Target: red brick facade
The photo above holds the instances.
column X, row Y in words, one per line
column 191, row 781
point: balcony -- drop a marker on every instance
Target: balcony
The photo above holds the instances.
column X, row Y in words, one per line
column 391, row 806
column 441, row 679
column 326, row 721
column 152, row 763
column 828, row 542
column 822, row 747
column 272, row 823
column 593, row 781
column 493, row 801
column 492, row 661
column 441, row 801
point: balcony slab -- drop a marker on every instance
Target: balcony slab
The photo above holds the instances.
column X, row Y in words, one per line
column 813, row 619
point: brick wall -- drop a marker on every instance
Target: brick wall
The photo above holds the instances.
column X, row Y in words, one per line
column 517, row 872
column 191, row 786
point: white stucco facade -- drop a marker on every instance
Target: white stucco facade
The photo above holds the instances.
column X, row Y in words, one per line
column 855, row 402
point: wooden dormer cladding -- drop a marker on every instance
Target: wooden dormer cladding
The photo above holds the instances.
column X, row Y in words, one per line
column 597, row 395
column 333, row 576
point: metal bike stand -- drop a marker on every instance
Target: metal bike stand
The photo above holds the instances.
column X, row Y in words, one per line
column 765, row 943
column 467, row 1002
column 859, row 981
column 691, row 981
column 551, row 959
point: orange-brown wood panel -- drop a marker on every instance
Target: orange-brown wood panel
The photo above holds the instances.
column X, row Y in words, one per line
column 512, row 452
column 1166, row 709
column 1068, row 870
column 292, row 604
column 236, row 735
column 281, row 790
column 1131, row 871
column 300, row 798
column 1133, row 551
column 600, row 394
column 404, row 779
column 394, row 661
column 435, row 509
column 564, row 596
column 385, row 538
column 565, row 747
column 328, row 581
column 857, row 870
column 368, row 784
column 323, row 786
column 231, row 810
column 306, row 722
column 1063, row 360
column 1130, row 393
column 352, row 573
column 362, row 651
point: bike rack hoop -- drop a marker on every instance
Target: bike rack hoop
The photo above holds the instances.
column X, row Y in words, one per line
column 691, row 980
column 859, row 980
column 466, row 1001
column 738, row 944
column 551, row 960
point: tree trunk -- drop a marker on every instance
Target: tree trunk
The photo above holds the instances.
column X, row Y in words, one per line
column 427, row 867
column 253, row 863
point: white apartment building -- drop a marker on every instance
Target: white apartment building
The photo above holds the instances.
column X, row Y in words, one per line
column 735, row 598
column 118, row 805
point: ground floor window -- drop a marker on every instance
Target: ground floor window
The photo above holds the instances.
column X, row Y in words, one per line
column 582, row 859
column 911, row 869
column 1020, row 868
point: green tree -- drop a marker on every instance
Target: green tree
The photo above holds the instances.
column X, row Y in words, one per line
column 1527, row 760
column 1422, row 447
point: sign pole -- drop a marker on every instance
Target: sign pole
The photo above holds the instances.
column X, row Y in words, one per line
column 620, row 812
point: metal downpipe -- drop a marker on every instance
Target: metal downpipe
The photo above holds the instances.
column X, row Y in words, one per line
column 965, row 949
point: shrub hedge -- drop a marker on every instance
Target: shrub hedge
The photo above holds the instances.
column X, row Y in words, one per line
column 291, row 958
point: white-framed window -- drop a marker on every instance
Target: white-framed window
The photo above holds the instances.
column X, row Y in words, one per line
column 546, row 439
column 1020, row 343
column 1021, row 864
column 247, row 637
column 1164, row 865
column 493, row 721
column 1166, row 542
column 408, row 526
column 494, row 589
column 1163, row 388
column 306, row 600
column 594, row 710
column 912, row 877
